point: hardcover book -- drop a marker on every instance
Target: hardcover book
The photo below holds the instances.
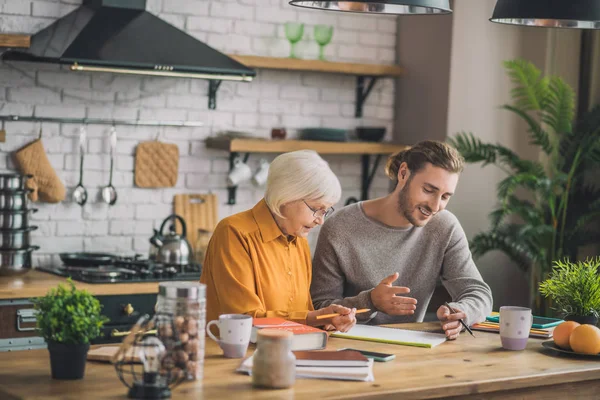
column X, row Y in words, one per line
column 305, row 337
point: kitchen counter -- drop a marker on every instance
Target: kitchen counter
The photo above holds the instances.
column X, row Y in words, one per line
column 37, row 283
column 475, row 368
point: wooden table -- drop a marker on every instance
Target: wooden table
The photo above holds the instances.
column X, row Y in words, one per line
column 466, row 368
column 37, row 283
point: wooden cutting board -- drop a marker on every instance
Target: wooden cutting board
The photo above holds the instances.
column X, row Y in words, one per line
column 105, row 354
column 200, row 211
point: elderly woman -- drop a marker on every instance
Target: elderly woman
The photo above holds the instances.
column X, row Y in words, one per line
column 258, row 261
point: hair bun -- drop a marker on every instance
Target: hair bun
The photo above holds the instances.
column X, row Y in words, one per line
column 393, row 165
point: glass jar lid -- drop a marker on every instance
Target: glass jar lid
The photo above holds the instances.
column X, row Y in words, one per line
column 189, row 290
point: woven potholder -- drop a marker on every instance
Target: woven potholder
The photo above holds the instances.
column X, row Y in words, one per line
column 156, row 164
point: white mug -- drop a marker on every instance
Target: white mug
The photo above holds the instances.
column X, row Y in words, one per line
column 260, row 177
column 515, row 323
column 234, row 332
column 239, row 173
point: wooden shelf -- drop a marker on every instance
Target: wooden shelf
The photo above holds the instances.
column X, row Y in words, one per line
column 9, row 40
column 283, row 146
column 290, row 64
column 365, row 149
column 294, row 64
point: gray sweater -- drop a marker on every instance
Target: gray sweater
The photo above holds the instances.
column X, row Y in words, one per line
column 354, row 253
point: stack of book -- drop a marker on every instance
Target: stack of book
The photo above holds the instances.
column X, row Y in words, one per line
column 488, row 326
column 345, row 365
column 541, row 327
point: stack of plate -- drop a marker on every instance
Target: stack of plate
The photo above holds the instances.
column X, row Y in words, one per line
column 15, row 245
column 324, row 134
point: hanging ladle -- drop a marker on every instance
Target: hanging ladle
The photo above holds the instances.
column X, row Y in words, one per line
column 80, row 194
column 109, row 193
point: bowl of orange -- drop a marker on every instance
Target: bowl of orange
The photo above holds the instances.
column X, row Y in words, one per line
column 577, row 339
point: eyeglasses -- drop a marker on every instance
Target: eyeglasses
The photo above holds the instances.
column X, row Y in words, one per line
column 320, row 213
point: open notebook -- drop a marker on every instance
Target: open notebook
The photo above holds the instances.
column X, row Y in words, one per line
column 392, row 335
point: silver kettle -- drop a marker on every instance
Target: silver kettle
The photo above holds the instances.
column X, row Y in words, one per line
column 171, row 248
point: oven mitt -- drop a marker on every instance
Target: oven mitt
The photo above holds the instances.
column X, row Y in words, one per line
column 46, row 185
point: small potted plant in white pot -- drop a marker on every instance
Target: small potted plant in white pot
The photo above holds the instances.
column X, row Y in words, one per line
column 68, row 319
column 574, row 288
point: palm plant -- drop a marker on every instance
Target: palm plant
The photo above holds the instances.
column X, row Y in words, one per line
column 552, row 215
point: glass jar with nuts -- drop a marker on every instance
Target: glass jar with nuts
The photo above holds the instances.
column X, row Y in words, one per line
column 180, row 321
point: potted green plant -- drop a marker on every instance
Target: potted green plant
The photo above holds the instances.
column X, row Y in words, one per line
column 546, row 210
column 574, row 288
column 68, row 319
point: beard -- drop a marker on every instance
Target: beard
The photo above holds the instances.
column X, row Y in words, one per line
column 407, row 209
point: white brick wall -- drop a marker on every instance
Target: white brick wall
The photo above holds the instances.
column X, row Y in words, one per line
column 275, row 98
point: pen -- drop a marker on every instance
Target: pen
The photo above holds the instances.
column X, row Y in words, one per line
column 362, row 310
column 460, row 320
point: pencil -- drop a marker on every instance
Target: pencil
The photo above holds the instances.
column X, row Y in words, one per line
column 362, row 310
column 460, row 320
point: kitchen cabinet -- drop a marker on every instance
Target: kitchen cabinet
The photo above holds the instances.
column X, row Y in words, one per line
column 17, row 320
column 365, row 149
column 122, row 303
column 17, row 326
column 123, row 311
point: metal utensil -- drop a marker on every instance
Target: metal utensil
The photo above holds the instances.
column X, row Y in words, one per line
column 14, row 200
column 15, row 219
column 109, row 193
column 13, row 181
column 16, row 262
column 15, row 239
column 173, row 249
column 80, row 194
column 87, row 259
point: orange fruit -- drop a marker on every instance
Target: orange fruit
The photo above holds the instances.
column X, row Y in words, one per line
column 562, row 333
column 585, row 339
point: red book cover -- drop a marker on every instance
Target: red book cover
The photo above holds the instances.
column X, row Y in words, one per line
column 305, row 337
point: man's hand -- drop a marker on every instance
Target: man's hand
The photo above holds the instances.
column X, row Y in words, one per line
column 449, row 320
column 385, row 299
column 343, row 322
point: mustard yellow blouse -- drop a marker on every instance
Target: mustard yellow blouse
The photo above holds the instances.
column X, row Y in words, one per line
column 252, row 268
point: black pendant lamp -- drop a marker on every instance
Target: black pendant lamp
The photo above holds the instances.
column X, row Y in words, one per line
column 579, row 14
column 413, row 7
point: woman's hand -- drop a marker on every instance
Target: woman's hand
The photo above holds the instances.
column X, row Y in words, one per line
column 343, row 322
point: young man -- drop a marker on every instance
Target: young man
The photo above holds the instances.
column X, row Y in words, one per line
column 387, row 254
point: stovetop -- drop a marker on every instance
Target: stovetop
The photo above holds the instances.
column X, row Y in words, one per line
column 128, row 270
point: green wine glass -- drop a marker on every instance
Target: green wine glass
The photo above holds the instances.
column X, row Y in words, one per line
column 294, row 32
column 323, row 35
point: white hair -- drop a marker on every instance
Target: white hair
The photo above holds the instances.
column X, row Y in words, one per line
column 300, row 175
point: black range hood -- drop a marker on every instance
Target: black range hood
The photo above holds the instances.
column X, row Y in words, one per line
column 120, row 36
